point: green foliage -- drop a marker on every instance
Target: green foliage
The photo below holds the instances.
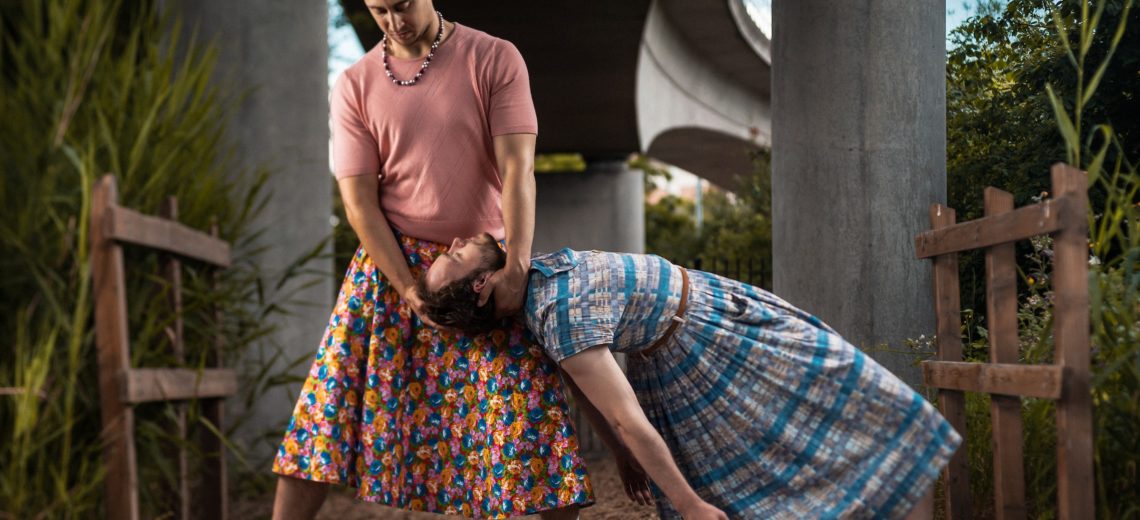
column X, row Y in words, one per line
column 559, row 162
column 670, row 228
column 95, row 86
column 1093, row 38
column 1000, row 129
column 1020, row 95
column 737, row 228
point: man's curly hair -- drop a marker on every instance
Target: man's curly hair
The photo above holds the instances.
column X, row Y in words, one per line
column 456, row 304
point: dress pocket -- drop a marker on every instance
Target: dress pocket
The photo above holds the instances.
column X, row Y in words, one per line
column 559, row 261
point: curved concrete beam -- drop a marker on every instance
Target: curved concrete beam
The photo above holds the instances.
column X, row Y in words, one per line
column 711, row 154
column 695, row 104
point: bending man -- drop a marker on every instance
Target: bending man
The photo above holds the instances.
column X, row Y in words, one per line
column 735, row 399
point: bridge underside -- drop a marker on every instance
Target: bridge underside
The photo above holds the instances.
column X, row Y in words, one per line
column 581, row 58
column 613, row 78
column 723, row 158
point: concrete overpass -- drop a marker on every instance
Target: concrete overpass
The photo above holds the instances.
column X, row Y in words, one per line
column 685, row 82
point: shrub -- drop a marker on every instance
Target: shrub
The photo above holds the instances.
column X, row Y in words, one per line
column 95, row 86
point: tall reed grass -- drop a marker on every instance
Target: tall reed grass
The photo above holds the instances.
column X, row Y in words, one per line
column 89, row 87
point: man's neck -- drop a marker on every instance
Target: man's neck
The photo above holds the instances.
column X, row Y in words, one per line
column 422, row 45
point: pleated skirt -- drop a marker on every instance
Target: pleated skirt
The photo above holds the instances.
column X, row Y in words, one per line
column 771, row 414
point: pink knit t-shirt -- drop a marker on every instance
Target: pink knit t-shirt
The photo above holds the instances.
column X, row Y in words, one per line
column 432, row 143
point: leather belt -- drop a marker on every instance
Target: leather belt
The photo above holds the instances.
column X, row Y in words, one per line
column 677, row 319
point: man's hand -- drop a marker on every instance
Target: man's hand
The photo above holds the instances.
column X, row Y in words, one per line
column 416, row 302
column 508, row 285
column 633, row 479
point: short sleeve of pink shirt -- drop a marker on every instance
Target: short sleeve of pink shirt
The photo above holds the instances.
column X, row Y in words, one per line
column 432, row 143
column 512, row 111
column 354, row 146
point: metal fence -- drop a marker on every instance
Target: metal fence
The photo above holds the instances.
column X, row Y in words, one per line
column 748, row 270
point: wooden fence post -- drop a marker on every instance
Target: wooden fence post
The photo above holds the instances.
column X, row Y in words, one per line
column 1005, row 410
column 948, row 340
column 1071, row 337
column 110, row 294
column 1005, row 378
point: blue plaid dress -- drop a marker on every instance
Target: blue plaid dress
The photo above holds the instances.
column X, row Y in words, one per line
column 768, row 412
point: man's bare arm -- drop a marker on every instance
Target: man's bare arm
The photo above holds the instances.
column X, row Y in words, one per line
column 598, row 375
column 362, row 207
column 515, row 156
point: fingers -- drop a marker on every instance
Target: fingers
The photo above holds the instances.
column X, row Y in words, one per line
column 638, row 491
column 427, row 321
column 417, row 305
column 646, row 494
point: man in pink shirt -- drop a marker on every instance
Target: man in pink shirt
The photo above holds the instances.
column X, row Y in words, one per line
column 433, row 137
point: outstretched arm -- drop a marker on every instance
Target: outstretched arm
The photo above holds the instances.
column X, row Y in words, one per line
column 598, row 375
column 633, row 476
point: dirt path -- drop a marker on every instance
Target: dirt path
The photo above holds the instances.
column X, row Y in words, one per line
column 612, row 504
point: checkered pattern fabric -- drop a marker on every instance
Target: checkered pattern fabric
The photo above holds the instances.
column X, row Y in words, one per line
column 768, row 412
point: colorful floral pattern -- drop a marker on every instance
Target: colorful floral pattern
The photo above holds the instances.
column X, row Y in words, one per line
column 425, row 420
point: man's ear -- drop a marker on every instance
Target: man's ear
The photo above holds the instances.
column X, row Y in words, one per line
column 480, row 281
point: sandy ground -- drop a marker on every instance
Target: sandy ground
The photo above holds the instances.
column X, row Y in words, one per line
column 612, row 504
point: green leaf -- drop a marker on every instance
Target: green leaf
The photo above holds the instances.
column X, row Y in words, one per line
column 1097, row 163
column 1090, row 89
column 1066, row 125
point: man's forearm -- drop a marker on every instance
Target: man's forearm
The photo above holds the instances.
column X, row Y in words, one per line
column 371, row 227
column 514, row 154
column 597, row 420
column 518, row 214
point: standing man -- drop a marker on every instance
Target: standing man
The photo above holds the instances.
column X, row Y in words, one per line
column 433, row 137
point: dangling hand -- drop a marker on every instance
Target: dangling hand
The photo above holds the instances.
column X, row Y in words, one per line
column 633, row 479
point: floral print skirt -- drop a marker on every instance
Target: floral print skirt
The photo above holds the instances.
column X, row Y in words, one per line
column 428, row 420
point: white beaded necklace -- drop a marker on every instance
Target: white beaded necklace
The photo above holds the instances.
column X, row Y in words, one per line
column 431, row 54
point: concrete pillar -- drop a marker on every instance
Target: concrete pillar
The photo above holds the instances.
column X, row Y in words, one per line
column 276, row 54
column 858, row 154
column 600, row 208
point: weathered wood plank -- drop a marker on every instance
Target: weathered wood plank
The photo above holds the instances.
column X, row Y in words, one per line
column 113, row 346
column 141, row 385
column 948, row 341
column 214, row 499
column 1071, row 337
column 1019, row 224
column 1042, row 381
column 173, row 276
column 1005, row 410
column 130, row 226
